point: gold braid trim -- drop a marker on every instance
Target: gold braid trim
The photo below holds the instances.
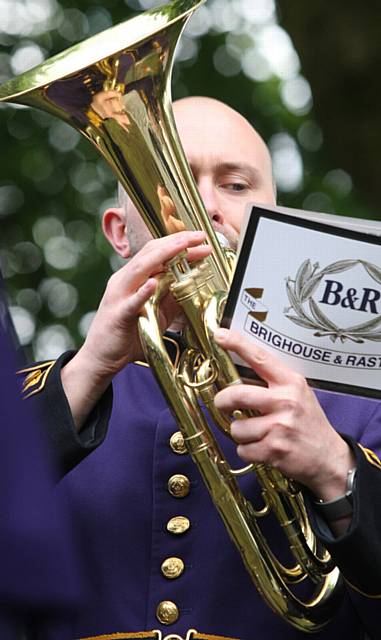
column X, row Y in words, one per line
column 371, row 457
column 35, row 378
column 206, row 636
column 150, row 635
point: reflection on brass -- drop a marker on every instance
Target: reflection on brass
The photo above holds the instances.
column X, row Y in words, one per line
column 172, row 568
column 109, row 104
column 168, row 212
column 115, row 88
column 178, row 525
column 178, row 485
column 177, row 443
column 167, row 612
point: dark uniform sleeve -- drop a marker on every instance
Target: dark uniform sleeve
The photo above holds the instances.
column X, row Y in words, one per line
column 42, row 388
column 357, row 552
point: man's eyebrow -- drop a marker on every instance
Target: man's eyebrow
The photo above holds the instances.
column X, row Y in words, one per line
column 242, row 167
column 222, row 167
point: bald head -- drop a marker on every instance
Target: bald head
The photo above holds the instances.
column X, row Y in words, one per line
column 200, row 119
column 230, row 163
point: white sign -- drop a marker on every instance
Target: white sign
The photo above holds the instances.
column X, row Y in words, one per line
column 311, row 293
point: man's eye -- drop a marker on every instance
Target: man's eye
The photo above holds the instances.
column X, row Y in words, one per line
column 234, row 186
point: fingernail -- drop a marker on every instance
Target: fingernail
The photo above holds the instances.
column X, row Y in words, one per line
column 148, row 285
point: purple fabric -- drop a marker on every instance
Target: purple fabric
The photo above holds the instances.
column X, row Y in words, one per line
column 38, row 562
column 121, row 506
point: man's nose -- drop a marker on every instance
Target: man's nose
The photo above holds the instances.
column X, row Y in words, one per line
column 209, row 196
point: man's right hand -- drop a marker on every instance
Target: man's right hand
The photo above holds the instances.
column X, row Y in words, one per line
column 113, row 339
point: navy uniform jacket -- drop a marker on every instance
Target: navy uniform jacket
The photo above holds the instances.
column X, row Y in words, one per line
column 124, row 514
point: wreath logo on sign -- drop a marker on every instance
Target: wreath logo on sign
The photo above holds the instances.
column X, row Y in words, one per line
column 306, row 313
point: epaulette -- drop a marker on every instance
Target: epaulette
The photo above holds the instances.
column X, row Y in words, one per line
column 371, row 457
column 34, row 378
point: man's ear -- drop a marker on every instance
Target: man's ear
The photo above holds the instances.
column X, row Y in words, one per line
column 115, row 229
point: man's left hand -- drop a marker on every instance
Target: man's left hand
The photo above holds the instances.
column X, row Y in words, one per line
column 292, row 432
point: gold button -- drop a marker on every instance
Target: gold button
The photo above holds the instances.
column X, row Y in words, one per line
column 172, row 568
column 167, row 612
column 178, row 485
column 178, row 525
column 177, row 443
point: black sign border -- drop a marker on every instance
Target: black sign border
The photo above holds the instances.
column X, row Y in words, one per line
column 258, row 212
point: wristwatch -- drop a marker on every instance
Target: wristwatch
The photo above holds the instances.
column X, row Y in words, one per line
column 339, row 507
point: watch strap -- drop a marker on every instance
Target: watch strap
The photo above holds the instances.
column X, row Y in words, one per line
column 340, row 507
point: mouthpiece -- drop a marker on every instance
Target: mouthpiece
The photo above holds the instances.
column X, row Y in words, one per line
column 224, row 242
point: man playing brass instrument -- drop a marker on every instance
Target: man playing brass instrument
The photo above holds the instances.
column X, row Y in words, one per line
column 157, row 554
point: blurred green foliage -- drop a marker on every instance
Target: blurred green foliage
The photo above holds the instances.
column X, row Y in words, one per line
column 54, row 187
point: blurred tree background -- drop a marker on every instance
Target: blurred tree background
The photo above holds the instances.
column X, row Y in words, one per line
column 306, row 74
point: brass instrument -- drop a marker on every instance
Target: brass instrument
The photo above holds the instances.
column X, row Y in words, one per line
column 115, row 88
